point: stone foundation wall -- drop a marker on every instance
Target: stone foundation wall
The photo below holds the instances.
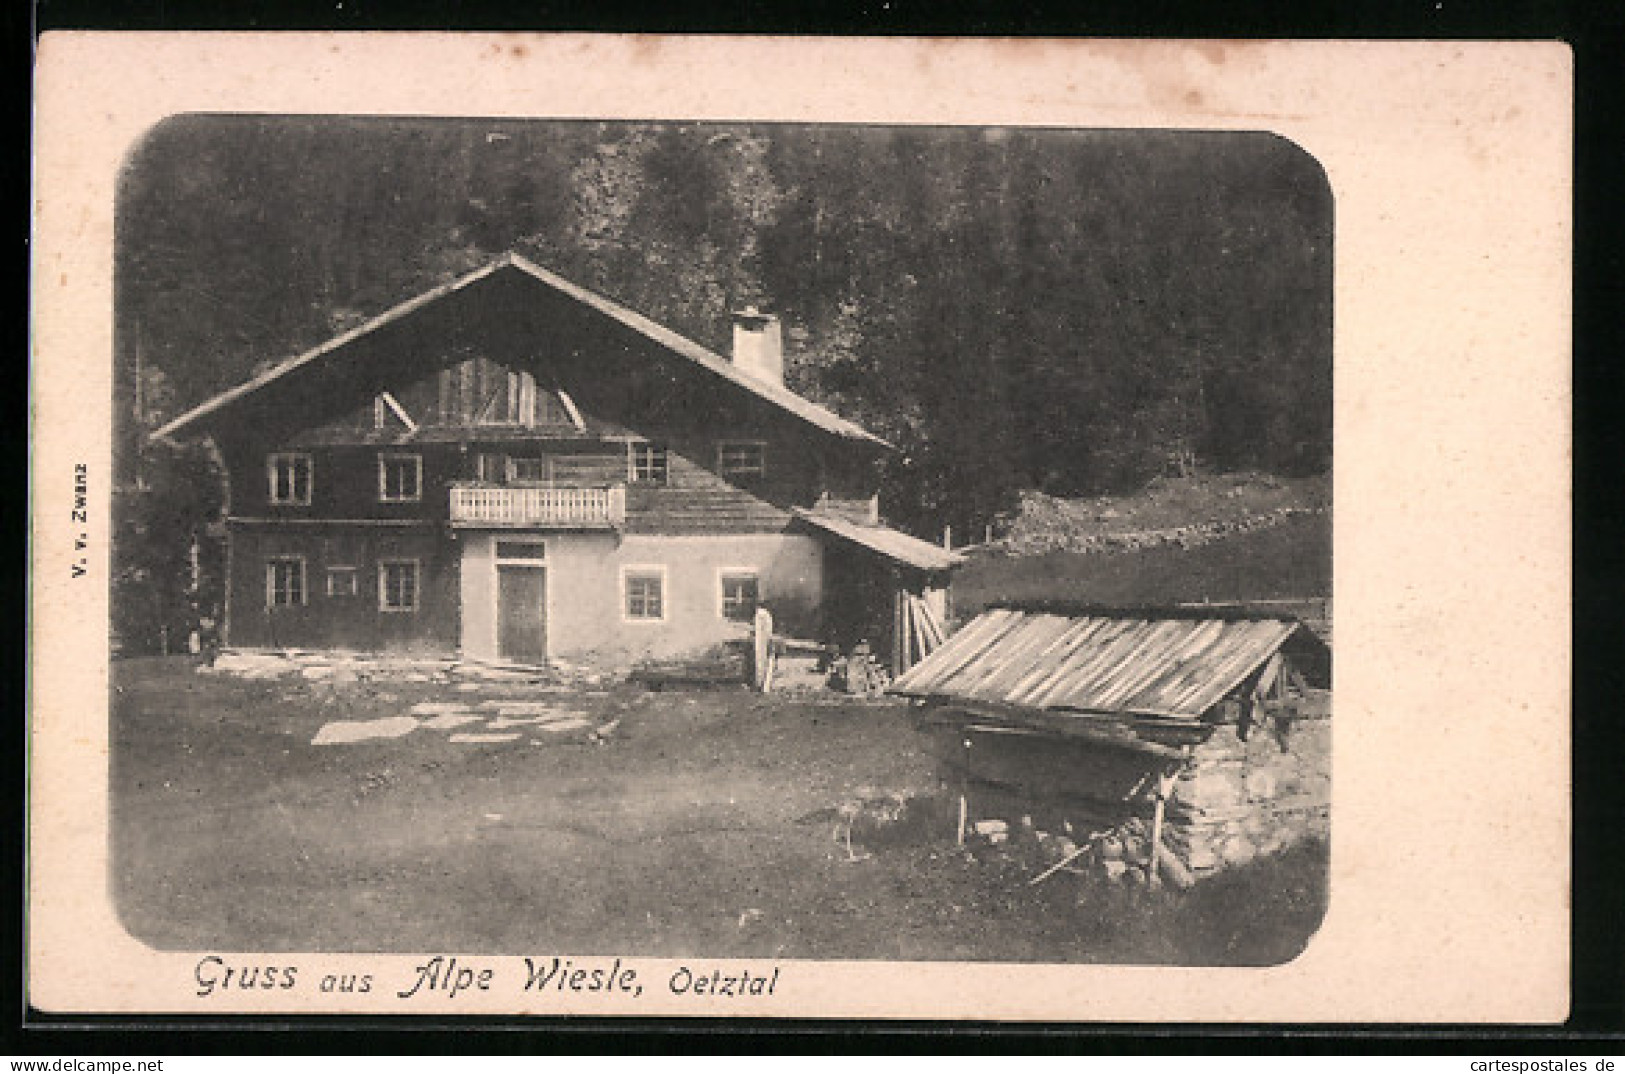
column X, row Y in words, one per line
column 1249, row 792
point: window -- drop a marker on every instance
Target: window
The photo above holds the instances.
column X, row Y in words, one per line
column 285, row 582
column 521, row 550
column 341, row 582
column 290, row 478
column 741, row 459
column 491, row 467
column 645, row 593
column 400, row 478
column 647, row 464
column 398, row 585
column 528, row 470
column 739, row 596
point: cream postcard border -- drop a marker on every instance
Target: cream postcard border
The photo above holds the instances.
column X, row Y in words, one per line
column 1450, row 164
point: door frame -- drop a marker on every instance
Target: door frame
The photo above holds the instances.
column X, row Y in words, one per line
column 498, row 561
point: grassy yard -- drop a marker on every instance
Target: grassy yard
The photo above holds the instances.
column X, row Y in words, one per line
column 701, row 826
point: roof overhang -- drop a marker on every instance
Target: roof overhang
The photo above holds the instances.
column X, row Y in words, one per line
column 1134, row 666
column 200, row 416
column 886, row 542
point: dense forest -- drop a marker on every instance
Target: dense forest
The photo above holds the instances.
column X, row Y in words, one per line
column 1072, row 311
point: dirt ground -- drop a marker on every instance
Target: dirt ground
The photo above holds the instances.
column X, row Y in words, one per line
column 704, row 823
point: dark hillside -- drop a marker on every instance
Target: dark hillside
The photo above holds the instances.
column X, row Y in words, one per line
column 1068, row 310
column 1220, row 537
column 1289, row 560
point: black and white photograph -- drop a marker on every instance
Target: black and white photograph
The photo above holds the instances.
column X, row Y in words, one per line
column 792, row 542
column 553, row 558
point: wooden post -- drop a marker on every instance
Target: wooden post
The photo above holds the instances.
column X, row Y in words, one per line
column 1164, row 785
column 899, row 653
column 964, row 790
column 762, row 630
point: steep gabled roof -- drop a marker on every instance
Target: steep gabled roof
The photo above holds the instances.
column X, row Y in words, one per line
column 776, row 394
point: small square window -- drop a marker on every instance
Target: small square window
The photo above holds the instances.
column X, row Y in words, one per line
column 290, row 476
column 649, row 464
column 741, row 460
column 530, row 471
column 400, row 478
column 645, row 595
column 740, row 595
column 341, row 582
column 284, row 582
column 398, row 585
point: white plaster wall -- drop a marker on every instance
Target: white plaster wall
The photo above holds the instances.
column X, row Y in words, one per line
column 585, row 603
column 478, row 584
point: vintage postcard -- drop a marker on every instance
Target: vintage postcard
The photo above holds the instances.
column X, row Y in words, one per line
column 969, row 529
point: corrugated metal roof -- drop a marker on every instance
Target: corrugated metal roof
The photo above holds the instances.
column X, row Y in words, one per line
column 1141, row 665
column 773, row 393
column 893, row 544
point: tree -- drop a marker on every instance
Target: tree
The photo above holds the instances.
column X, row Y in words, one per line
column 166, row 550
column 1069, row 310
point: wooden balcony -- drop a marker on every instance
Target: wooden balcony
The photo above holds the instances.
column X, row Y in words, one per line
column 493, row 507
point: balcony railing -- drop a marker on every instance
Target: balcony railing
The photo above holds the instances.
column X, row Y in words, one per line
column 538, row 508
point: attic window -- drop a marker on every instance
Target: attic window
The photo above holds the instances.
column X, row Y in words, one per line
column 741, row 459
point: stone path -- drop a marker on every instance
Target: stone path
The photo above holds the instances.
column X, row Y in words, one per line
column 346, row 731
column 486, row 722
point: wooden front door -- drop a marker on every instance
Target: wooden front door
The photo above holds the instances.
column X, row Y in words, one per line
column 522, row 613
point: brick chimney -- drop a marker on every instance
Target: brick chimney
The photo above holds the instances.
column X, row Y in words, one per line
column 758, row 345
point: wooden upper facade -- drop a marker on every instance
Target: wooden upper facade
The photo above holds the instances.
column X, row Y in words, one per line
column 512, row 399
